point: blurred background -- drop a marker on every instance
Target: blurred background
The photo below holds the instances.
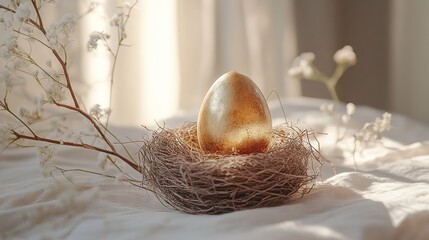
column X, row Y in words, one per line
column 179, row 48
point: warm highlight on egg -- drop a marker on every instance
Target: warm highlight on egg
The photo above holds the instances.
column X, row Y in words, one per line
column 234, row 117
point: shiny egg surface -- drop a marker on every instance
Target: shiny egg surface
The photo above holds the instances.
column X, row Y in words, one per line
column 234, row 117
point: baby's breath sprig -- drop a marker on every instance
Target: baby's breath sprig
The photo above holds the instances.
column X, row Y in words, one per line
column 24, row 28
column 303, row 68
column 119, row 22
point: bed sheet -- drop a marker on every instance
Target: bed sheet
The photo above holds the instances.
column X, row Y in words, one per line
column 387, row 197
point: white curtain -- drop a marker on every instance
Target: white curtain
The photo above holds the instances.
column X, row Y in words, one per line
column 409, row 53
column 391, row 42
column 180, row 47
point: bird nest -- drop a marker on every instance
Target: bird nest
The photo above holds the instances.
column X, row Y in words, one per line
column 191, row 181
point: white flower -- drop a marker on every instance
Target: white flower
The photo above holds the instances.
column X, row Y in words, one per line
column 383, row 124
column 372, row 130
column 59, row 128
column 23, row 12
column 127, row 4
column 51, row 35
column 345, row 56
column 94, row 37
column 40, row 100
column 67, row 22
column 16, row 63
column 8, row 47
column 58, row 34
column 30, row 115
column 327, row 108
column 6, row 20
column 55, row 92
column 93, row 6
column 45, row 154
column 27, row 30
column 350, row 108
column 9, row 80
column 98, row 112
column 367, row 133
column 302, row 66
column 117, row 20
column 6, row 134
column 6, row 79
column 47, row 170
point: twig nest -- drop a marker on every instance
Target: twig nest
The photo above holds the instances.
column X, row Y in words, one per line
column 183, row 176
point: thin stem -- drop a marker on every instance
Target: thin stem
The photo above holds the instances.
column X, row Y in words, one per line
column 115, row 56
column 339, row 71
column 62, row 62
column 67, row 77
column 34, row 23
column 331, row 88
column 103, row 136
column 6, row 107
column 118, row 141
column 40, row 25
column 80, row 145
column 63, row 171
column 7, row 9
column 91, row 120
column 32, row 38
column 32, row 61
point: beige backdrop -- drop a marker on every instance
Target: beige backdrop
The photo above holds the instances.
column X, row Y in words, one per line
column 178, row 48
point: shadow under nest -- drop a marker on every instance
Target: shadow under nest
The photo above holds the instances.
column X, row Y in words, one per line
column 191, row 181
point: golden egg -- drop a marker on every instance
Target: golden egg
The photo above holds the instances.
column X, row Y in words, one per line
column 234, row 117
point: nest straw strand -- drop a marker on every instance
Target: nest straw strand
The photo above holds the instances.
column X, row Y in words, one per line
column 191, row 181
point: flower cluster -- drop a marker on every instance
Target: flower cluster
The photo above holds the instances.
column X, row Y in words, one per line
column 45, row 154
column 55, row 92
column 94, row 38
column 58, row 34
column 8, row 81
column 119, row 21
column 30, row 115
column 303, row 68
column 350, row 110
column 25, row 34
column 98, row 112
column 23, row 12
column 345, row 56
column 372, row 131
column 9, row 46
column 328, row 109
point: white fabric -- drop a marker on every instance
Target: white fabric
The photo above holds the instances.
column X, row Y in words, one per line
column 388, row 198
